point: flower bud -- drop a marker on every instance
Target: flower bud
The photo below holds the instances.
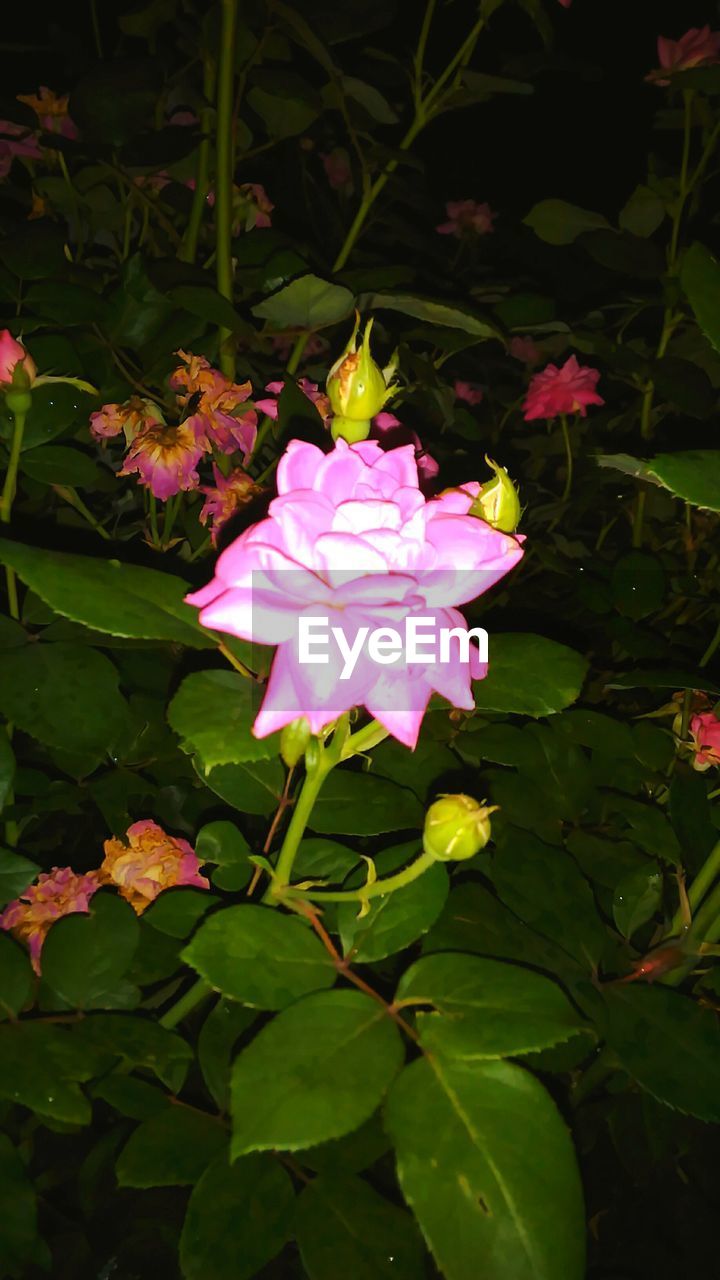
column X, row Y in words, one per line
column 497, row 501
column 355, row 386
column 456, row 827
column 294, row 741
column 17, row 367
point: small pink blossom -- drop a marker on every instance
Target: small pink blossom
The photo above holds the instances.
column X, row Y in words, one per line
column 705, row 733
column 228, row 495
column 215, row 401
column 699, row 47
column 252, row 206
column 51, row 111
column 350, row 535
column 130, row 417
column 16, row 141
column 525, row 350
column 391, row 434
column 338, row 169
column 183, row 118
column 149, row 862
column 269, row 405
column 165, row 458
column 57, row 893
column 569, row 389
column 469, row 392
column 467, row 217
column 13, row 353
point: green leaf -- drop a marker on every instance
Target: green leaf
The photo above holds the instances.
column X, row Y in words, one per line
column 488, row 1168
column 56, row 464
column 16, row 977
column 85, row 956
column 205, row 302
column 137, row 1042
column 131, row 1097
column 370, row 98
column 557, row 222
column 648, row 825
column 306, row 303
column 16, row 873
column 283, row 116
column 319, row 859
column 636, row 899
column 259, row 956
column 643, row 213
column 225, row 1023
column 669, row 1044
column 663, row 678
column 486, row 1009
column 118, row 599
column 40, row 1069
column 177, row 911
column 315, row 1072
column 437, row 313
column 213, row 714
column 238, row 1218
column 20, row 1245
column 395, row 920
column 170, row 1149
column 693, row 476
column 700, row 279
column 64, row 696
column 530, row 675
column 357, row 804
column 224, row 845
column 254, row 787
column 344, row 1228
column 353, row 1152
column 55, row 408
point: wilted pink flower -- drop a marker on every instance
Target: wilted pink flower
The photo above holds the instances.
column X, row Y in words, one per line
column 214, row 400
column 150, row 862
column 525, row 350
column 251, row 206
column 228, row 495
column 269, row 405
column 469, row 392
column 338, row 169
column 699, row 47
column 165, row 458
column 391, row 434
column 705, row 733
column 51, row 111
column 16, row 140
column 13, row 353
column 466, row 216
column 569, row 389
column 350, row 536
column 54, row 894
column 130, row 417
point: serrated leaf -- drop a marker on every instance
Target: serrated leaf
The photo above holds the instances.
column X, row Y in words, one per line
column 64, row 696
column 395, row 920
column 353, row 803
column 213, row 713
column 170, row 1149
column 306, row 303
column 238, row 1218
column 344, row 1228
column 85, row 957
column 530, row 675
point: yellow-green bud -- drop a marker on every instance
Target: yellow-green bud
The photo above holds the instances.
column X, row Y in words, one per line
column 294, row 741
column 350, row 429
column 497, row 502
column 356, row 387
column 456, row 827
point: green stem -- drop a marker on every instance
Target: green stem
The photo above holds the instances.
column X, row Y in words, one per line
column 172, row 508
column 705, row 877
column 637, row 532
column 188, row 248
column 68, row 494
column 603, row 1066
column 684, row 187
column 380, row 888
column 710, row 649
column 10, row 486
column 154, row 521
column 199, row 991
column 225, row 164
column 364, row 739
column 568, row 455
column 96, row 29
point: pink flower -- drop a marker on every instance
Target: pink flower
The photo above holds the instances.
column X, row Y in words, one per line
column 215, row 401
column 705, row 732
column 569, row 389
column 229, row 494
column 699, row 47
column 51, row 111
column 57, row 893
column 150, row 862
column 390, row 433
column 18, row 141
column 351, row 537
column 565, row 3
column 129, row 417
column 251, row 206
column 525, row 350
column 13, row 353
column 183, row 118
column 469, row 392
column 269, row 405
column 338, row 169
column 165, row 458
column 466, row 216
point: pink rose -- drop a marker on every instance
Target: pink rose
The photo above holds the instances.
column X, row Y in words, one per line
column 469, row 392
column 13, row 353
column 351, row 537
column 705, row 732
column 699, row 47
column 390, row 432
column 57, row 893
column 149, row 862
column 467, row 217
column 569, row 389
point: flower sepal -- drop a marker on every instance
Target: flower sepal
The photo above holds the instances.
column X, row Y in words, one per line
column 497, row 502
column 456, row 828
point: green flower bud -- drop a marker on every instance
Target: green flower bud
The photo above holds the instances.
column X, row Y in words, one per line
column 497, row 502
column 356, row 387
column 349, row 429
column 18, row 401
column 294, row 741
column 456, row 827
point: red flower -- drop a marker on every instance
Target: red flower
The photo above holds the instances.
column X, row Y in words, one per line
column 569, row 389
